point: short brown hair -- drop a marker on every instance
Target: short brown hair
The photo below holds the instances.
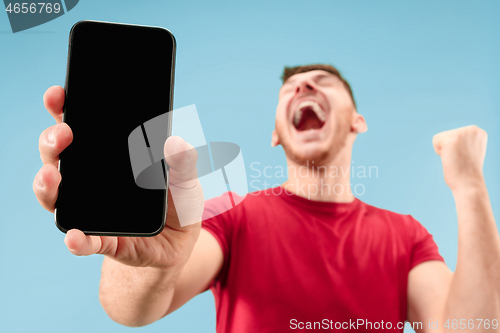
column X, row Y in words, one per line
column 289, row 71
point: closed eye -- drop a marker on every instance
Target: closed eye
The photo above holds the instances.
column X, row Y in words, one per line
column 325, row 81
column 286, row 90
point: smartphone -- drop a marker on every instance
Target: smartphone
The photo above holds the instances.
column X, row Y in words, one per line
column 118, row 77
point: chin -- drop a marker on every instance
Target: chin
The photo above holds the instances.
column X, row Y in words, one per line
column 304, row 154
column 321, row 153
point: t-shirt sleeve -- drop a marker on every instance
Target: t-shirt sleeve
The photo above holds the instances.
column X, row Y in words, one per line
column 423, row 246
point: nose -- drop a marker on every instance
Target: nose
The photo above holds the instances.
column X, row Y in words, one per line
column 304, row 87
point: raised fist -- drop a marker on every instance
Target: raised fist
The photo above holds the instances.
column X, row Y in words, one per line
column 462, row 152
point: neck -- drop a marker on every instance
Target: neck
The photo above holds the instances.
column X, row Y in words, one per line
column 326, row 182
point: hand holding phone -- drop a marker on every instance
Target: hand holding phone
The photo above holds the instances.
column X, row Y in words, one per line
column 158, row 251
column 105, row 68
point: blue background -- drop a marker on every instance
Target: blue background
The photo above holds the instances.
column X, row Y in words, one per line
column 417, row 68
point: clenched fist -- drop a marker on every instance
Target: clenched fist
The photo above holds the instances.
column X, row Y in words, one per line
column 462, row 152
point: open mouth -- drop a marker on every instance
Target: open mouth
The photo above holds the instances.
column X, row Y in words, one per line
column 308, row 115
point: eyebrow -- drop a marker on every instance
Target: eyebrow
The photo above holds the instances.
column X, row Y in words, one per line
column 320, row 76
column 316, row 77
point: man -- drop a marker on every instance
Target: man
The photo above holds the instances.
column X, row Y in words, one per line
column 292, row 258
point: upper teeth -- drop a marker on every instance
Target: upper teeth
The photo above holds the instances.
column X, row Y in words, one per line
column 315, row 107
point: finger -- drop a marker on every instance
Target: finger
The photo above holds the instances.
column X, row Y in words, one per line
column 82, row 245
column 185, row 193
column 45, row 186
column 181, row 158
column 53, row 141
column 53, row 99
column 437, row 143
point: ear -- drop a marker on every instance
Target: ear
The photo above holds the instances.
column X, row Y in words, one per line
column 275, row 139
column 358, row 124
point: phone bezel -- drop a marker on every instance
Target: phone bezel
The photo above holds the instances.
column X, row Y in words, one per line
column 165, row 207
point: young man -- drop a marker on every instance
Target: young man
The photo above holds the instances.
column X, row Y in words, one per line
column 292, row 258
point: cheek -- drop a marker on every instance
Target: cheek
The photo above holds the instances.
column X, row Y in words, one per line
column 343, row 126
column 281, row 113
column 281, row 125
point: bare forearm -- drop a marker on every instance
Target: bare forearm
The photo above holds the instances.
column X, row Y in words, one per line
column 475, row 287
column 136, row 296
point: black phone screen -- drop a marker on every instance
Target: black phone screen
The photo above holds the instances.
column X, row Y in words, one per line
column 118, row 77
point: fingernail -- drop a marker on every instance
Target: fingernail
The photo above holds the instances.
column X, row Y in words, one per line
column 38, row 181
column 50, row 135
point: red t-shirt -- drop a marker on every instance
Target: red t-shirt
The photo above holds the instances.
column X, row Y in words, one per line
column 290, row 262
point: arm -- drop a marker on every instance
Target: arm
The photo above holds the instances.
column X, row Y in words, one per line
column 475, row 287
column 137, row 296
column 473, row 291
column 142, row 278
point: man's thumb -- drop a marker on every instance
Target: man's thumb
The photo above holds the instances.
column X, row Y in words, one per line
column 181, row 158
column 184, row 185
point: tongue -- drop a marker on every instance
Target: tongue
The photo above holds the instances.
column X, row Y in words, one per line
column 309, row 120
